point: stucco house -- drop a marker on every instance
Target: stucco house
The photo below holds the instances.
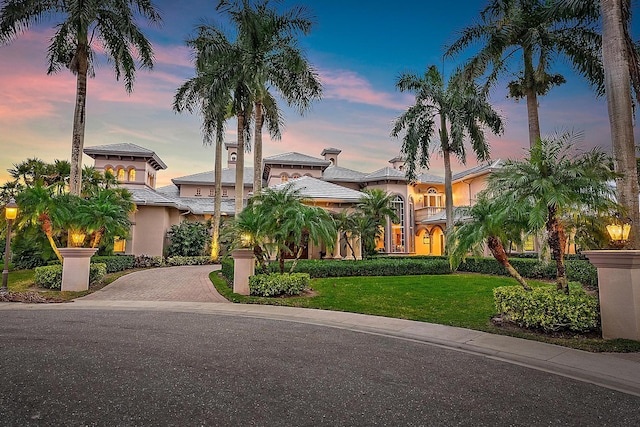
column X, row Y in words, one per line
column 420, row 205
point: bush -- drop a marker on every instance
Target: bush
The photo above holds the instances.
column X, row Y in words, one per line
column 227, row 269
column 189, row 239
column 546, row 308
column 372, row 267
column 146, row 261
column 115, row 263
column 188, row 260
column 50, row 276
column 274, row 284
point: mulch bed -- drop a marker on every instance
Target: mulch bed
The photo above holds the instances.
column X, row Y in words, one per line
column 29, row 298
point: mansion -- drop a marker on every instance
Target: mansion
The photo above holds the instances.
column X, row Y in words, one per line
column 321, row 181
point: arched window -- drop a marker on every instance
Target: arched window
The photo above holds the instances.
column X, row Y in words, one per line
column 295, row 176
column 397, row 230
column 132, row 175
column 233, row 157
column 110, row 170
column 120, row 174
column 284, row 178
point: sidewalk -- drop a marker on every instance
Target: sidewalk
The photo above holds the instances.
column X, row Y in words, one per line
column 611, row 371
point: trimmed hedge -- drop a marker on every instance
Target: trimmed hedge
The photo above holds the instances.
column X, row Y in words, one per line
column 115, row 263
column 188, row 260
column 372, row 267
column 275, row 284
column 146, row 261
column 50, row 276
column 546, row 308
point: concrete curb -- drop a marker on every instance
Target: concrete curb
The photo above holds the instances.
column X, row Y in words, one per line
column 605, row 370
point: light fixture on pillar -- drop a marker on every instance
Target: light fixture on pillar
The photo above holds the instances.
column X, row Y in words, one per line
column 619, row 231
column 246, row 240
column 10, row 214
column 77, row 238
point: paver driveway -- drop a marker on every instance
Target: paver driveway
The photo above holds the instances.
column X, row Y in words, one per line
column 185, row 284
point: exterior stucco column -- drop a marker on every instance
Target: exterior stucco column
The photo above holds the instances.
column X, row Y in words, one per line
column 619, row 292
column 336, row 250
column 75, row 268
column 243, row 267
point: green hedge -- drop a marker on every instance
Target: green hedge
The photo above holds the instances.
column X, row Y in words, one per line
column 227, row 269
column 372, row 267
column 50, row 276
column 546, row 308
column 275, row 284
column 577, row 270
column 188, row 260
column 146, row 261
column 115, row 263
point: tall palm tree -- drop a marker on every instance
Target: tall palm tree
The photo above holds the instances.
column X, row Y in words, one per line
column 462, row 109
column 84, row 25
column 491, row 221
column 526, row 36
column 211, row 95
column 272, row 59
column 553, row 182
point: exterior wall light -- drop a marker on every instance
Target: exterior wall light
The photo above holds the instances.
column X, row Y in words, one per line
column 619, row 232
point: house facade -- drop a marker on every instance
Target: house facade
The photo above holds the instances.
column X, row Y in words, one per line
column 321, row 180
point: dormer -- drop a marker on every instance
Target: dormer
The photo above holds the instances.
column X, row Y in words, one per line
column 331, row 154
column 131, row 164
column 232, row 154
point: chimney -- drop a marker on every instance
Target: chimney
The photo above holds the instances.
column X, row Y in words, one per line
column 331, row 154
column 232, row 154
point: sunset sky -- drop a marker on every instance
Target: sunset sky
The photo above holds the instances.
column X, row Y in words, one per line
column 359, row 49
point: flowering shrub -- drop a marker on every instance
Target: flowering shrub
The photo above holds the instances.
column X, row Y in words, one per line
column 146, row 261
column 188, row 260
column 274, row 284
column 548, row 309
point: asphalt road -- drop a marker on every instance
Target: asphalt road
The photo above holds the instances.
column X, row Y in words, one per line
column 108, row 368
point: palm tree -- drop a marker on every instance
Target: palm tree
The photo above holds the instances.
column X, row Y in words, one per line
column 272, row 59
column 84, row 25
column 553, row 182
column 487, row 221
column 106, row 214
column 526, row 35
column 376, row 207
column 462, row 110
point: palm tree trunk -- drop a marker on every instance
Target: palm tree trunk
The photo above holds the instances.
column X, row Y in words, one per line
column 79, row 115
column 448, row 189
column 532, row 99
column 557, row 243
column 497, row 250
column 46, row 227
column 239, row 190
column 96, row 239
column 618, row 92
column 217, row 201
column 257, row 150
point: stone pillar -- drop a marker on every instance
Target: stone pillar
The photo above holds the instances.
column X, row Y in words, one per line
column 75, row 268
column 243, row 266
column 336, row 250
column 619, row 290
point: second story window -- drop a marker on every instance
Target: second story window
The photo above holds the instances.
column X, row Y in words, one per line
column 198, row 192
column 132, row 175
column 120, row 174
column 284, row 178
column 224, row 193
column 212, row 192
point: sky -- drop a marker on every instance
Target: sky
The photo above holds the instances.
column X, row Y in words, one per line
column 358, row 48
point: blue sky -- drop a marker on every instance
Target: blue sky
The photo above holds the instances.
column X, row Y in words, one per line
column 359, row 49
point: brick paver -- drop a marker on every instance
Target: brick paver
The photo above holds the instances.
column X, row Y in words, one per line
column 186, row 284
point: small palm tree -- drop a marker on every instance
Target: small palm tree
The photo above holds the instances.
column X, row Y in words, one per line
column 376, row 207
column 109, row 25
column 553, row 182
column 462, row 111
column 492, row 222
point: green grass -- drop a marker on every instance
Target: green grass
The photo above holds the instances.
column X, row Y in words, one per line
column 464, row 300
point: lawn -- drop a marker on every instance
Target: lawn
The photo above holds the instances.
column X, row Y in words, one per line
column 464, row 300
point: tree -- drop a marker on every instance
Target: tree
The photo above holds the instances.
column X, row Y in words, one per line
column 552, row 183
column 376, row 206
column 527, row 35
column 189, row 238
column 272, row 59
column 108, row 25
column 490, row 221
column 463, row 111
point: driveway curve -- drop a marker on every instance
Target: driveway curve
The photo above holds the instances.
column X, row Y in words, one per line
column 183, row 284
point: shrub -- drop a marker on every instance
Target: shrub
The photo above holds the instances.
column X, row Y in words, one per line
column 227, row 269
column 372, row 267
column 275, row 284
column 146, row 261
column 546, row 308
column 50, row 276
column 115, row 263
column 188, row 239
column 188, row 260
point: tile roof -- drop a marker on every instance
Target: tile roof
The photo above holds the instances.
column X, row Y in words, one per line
column 331, row 150
column 315, row 189
column 146, row 196
column 337, row 173
column 205, row 205
column 478, row 170
column 294, row 158
column 427, row 178
column 125, row 149
column 441, row 217
column 385, row 173
column 207, row 178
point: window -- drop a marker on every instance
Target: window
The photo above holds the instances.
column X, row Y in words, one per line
column 397, row 230
column 119, row 245
column 224, row 192
column 295, row 176
column 132, row 175
column 284, row 178
column 233, row 157
column 212, row 192
column 110, row 170
column 120, row 174
column 529, row 244
column 198, row 192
